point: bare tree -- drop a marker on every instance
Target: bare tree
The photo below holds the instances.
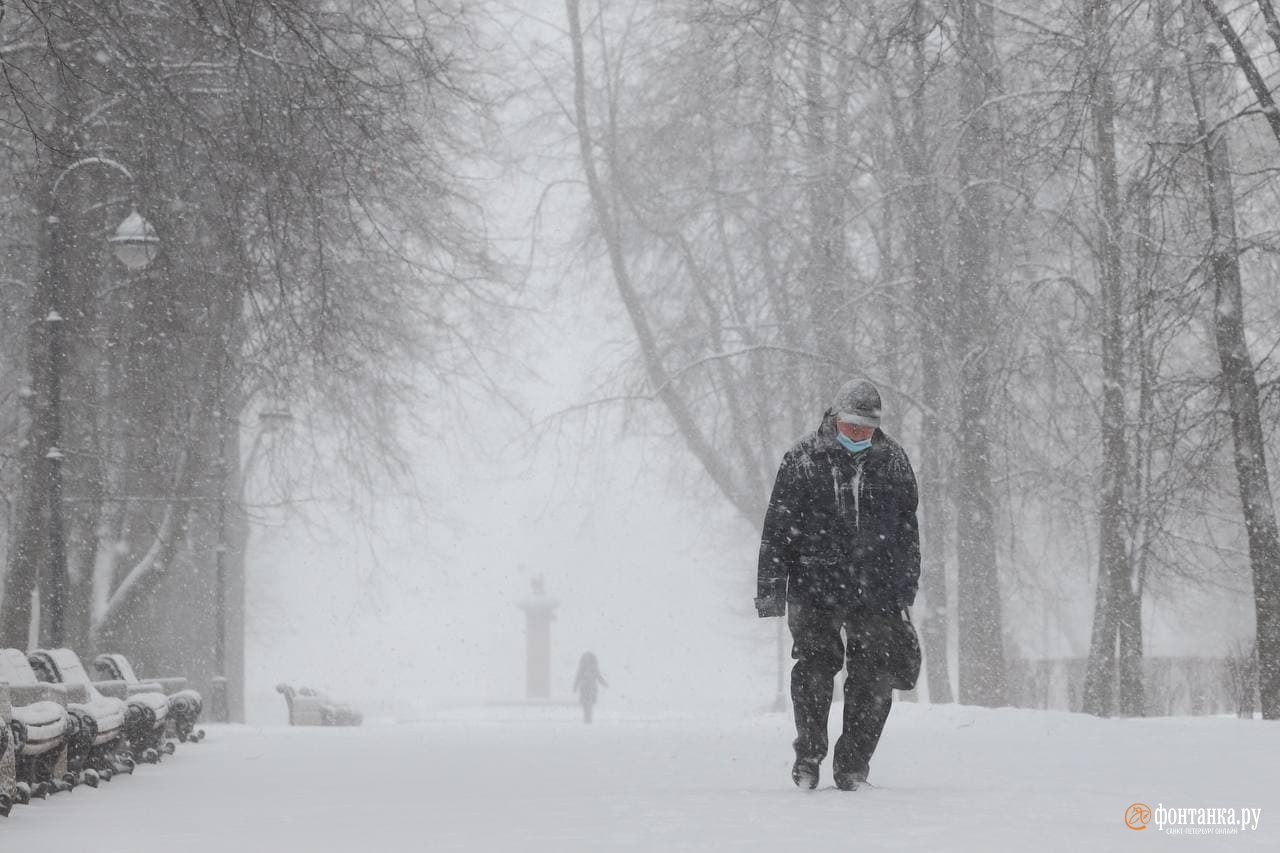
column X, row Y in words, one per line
column 788, row 190
column 932, row 293
column 318, row 245
column 1208, row 90
column 1117, row 619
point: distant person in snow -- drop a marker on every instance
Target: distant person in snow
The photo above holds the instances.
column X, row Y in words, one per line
column 586, row 681
column 840, row 550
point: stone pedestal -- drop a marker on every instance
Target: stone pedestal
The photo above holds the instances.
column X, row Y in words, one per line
column 539, row 611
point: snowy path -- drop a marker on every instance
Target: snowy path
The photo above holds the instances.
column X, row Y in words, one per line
column 514, row 779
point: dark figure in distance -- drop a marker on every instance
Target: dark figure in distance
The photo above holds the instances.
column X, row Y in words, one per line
column 585, row 683
column 840, row 550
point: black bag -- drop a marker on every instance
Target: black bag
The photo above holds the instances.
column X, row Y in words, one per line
column 904, row 658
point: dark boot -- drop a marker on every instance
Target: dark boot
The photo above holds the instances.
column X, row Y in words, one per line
column 805, row 773
column 850, row 780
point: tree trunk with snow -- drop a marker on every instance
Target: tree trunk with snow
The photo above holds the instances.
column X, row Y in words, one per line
column 1117, row 626
column 982, row 662
column 1241, row 385
column 925, row 238
column 749, row 505
column 1209, row 87
column 826, row 285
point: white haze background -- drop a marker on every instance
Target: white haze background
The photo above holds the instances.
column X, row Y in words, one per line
column 653, row 571
column 425, row 608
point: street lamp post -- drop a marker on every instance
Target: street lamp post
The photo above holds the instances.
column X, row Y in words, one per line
column 134, row 244
column 228, row 686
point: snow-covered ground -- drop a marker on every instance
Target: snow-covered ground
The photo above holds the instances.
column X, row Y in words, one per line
column 520, row 778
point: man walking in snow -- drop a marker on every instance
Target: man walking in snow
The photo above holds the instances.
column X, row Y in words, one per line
column 840, row 550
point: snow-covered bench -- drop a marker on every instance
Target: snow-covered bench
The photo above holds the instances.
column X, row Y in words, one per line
column 185, row 704
column 309, row 707
column 37, row 732
column 103, row 744
column 8, row 765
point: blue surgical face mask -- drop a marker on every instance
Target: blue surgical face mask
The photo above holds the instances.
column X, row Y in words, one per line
column 851, row 445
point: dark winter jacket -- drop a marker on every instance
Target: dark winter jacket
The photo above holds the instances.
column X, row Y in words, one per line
column 841, row 527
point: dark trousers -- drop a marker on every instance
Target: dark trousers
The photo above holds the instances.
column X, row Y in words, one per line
column 820, row 652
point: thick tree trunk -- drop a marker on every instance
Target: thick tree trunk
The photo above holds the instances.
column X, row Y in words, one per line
column 1117, row 610
column 982, row 664
column 29, row 554
column 1246, row 422
column 931, row 296
column 1209, row 87
column 28, row 546
column 828, row 316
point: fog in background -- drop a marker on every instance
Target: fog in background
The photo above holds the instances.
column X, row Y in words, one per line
column 781, row 187
column 653, row 573
column 556, row 473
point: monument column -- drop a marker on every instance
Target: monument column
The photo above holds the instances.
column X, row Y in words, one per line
column 539, row 610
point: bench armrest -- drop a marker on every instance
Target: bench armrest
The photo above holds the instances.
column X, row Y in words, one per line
column 29, row 694
column 145, row 687
column 77, row 694
column 168, row 685
column 115, row 689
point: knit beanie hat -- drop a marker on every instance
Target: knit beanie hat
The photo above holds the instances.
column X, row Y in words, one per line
column 858, row 402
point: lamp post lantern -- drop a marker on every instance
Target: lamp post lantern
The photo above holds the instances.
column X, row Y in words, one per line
column 135, row 244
